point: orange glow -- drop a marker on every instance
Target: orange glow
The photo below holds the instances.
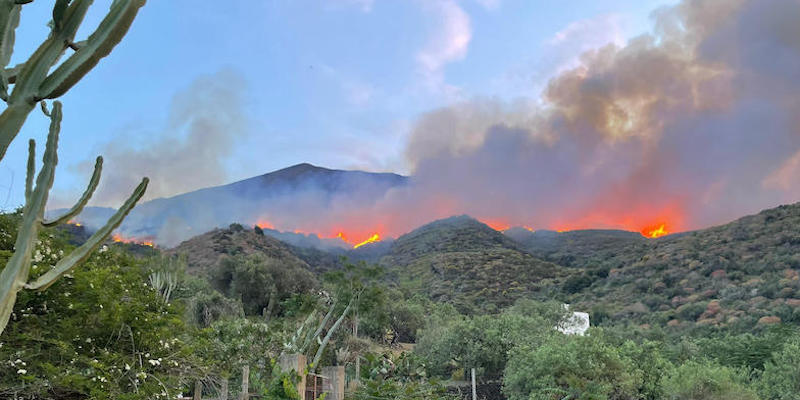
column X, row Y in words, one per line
column 496, row 224
column 528, row 228
column 74, row 223
column 373, row 238
column 264, row 224
column 655, row 231
column 117, row 238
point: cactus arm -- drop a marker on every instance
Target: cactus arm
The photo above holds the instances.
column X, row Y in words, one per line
column 36, row 68
column 59, row 8
column 31, row 170
column 9, row 20
column 310, row 338
column 100, row 43
column 14, row 275
column 328, row 336
column 84, row 251
column 87, row 195
column 33, row 72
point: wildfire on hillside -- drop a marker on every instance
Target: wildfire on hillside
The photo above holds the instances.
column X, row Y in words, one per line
column 653, row 232
column 117, row 238
column 496, row 224
column 374, row 238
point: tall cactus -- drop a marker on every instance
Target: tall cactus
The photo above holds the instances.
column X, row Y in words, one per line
column 33, row 83
column 31, row 80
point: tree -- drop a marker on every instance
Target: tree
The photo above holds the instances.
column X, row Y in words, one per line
column 33, row 83
column 260, row 282
column 704, row 380
column 574, row 367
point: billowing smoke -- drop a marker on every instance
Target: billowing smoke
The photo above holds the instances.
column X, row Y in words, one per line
column 692, row 125
column 204, row 123
column 695, row 124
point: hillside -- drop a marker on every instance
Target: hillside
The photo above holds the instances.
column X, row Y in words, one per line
column 203, row 252
column 738, row 274
column 461, row 261
column 579, row 248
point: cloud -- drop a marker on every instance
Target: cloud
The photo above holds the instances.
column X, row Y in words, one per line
column 449, row 42
column 205, row 121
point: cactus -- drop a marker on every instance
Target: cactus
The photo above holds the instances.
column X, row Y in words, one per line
column 14, row 277
column 33, row 83
column 31, row 79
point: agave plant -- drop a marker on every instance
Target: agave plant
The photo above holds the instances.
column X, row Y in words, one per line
column 24, row 86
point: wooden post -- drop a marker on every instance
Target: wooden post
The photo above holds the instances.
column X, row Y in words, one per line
column 296, row 363
column 358, row 355
column 245, row 383
column 223, row 390
column 198, row 390
column 336, row 376
column 474, row 393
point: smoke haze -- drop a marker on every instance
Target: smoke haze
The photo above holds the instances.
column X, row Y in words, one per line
column 205, row 121
column 692, row 125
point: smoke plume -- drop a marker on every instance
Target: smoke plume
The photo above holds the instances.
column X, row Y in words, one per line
column 205, row 121
column 694, row 124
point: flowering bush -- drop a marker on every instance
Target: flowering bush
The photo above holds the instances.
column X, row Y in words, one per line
column 100, row 332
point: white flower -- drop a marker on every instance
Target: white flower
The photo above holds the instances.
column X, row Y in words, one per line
column 22, row 371
column 154, row 362
column 127, row 367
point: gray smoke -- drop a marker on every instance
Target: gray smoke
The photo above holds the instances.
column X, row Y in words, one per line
column 694, row 124
column 205, row 121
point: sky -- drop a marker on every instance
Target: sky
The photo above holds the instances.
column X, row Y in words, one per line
column 217, row 93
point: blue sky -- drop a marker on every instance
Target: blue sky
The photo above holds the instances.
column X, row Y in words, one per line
column 337, row 83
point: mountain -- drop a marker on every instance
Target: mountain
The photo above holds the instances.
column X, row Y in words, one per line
column 462, row 261
column 293, row 191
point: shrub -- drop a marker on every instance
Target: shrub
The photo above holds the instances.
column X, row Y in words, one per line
column 780, row 378
column 573, row 367
column 707, row 381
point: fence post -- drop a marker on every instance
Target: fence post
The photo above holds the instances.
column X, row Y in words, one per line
column 474, row 393
column 223, row 390
column 245, row 383
column 198, row 390
column 336, row 376
column 296, row 363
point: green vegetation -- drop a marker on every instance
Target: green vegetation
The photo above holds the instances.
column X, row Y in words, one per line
column 229, row 303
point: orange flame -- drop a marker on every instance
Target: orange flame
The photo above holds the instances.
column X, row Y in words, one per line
column 117, row 238
column 264, row 224
column 655, row 231
column 374, row 238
